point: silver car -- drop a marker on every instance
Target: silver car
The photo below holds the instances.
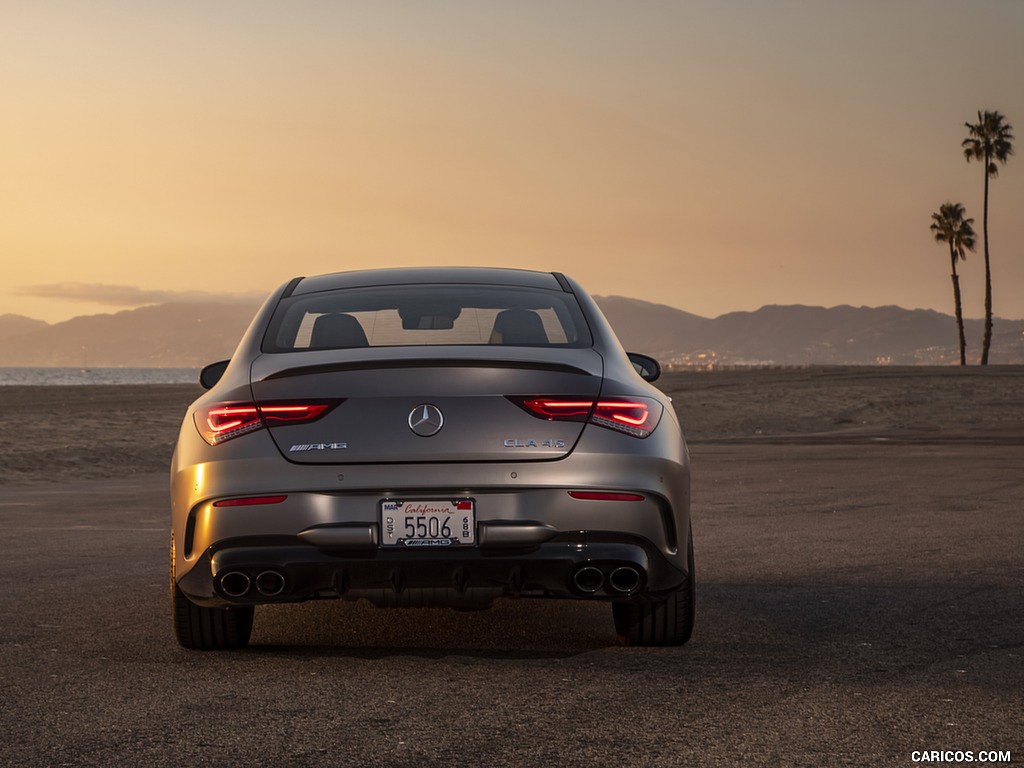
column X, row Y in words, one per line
column 430, row 437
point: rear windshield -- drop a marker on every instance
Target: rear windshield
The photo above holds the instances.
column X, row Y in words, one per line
column 426, row 315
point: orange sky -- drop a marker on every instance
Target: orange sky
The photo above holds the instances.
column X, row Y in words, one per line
column 714, row 156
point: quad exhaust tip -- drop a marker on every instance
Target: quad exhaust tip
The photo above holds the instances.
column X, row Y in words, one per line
column 588, row 579
column 623, row 579
column 270, row 583
column 235, row 584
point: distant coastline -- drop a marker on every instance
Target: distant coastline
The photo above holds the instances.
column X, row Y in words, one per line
column 49, row 377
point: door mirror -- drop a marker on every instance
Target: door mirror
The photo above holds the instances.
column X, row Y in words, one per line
column 211, row 374
column 648, row 368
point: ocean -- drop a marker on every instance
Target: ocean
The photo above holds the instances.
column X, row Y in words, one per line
column 62, row 377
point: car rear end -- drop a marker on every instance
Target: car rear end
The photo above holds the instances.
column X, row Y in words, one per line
column 437, row 438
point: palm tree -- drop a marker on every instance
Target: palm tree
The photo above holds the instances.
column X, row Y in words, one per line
column 950, row 226
column 990, row 140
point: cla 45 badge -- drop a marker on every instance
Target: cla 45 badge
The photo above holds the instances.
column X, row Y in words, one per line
column 514, row 442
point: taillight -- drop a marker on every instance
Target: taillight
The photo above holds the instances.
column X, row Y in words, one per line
column 636, row 416
column 224, row 421
column 555, row 409
column 293, row 413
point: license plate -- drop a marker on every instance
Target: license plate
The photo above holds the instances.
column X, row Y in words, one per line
column 414, row 523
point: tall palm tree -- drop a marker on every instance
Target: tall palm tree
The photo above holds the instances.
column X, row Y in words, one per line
column 989, row 140
column 950, row 226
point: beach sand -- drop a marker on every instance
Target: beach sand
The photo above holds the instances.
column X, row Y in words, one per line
column 851, row 403
column 59, row 433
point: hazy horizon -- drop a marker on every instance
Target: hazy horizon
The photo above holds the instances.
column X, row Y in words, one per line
column 255, row 300
column 712, row 157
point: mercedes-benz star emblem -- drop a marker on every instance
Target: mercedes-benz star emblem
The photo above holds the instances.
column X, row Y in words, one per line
column 426, row 420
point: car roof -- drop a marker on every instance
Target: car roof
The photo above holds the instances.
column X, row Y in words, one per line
column 421, row 275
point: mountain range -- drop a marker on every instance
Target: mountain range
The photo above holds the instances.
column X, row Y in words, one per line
column 192, row 334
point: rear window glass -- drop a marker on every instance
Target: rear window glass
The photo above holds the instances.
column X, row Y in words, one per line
column 427, row 315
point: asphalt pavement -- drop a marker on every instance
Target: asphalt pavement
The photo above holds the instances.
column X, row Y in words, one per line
column 858, row 604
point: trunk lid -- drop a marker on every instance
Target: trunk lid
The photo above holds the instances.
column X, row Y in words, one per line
column 450, row 404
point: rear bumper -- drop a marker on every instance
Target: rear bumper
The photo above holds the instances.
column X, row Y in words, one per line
column 532, row 538
column 287, row 569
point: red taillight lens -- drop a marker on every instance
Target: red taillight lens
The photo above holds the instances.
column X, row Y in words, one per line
column 224, row 421
column 292, row 413
column 636, row 416
column 555, row 409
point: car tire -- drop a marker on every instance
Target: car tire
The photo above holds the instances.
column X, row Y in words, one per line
column 208, row 629
column 663, row 621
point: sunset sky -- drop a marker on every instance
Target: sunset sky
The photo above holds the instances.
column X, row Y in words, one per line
column 712, row 155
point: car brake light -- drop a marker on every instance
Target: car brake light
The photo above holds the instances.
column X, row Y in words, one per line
column 635, row 416
column 554, row 409
column 223, row 421
column 292, row 413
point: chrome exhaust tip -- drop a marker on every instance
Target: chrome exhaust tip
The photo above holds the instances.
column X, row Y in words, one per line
column 624, row 579
column 235, row 584
column 270, row 583
column 588, row 579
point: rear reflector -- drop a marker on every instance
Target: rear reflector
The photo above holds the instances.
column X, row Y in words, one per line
column 249, row 501
column 605, row 496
